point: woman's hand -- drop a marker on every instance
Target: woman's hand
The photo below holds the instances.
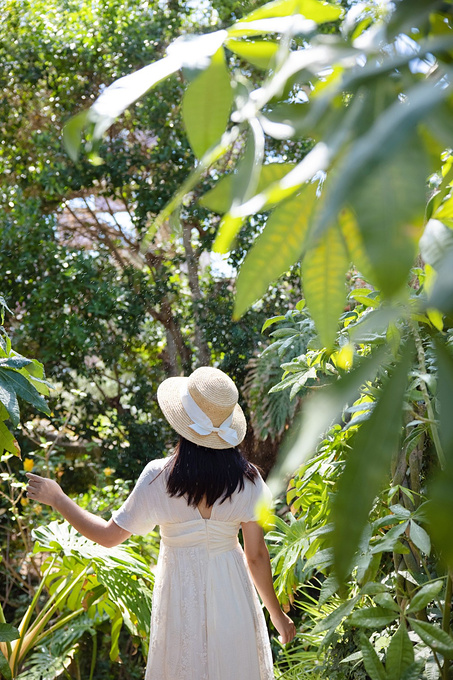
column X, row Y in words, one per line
column 285, row 626
column 43, row 490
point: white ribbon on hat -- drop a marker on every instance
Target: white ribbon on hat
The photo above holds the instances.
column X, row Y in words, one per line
column 202, row 424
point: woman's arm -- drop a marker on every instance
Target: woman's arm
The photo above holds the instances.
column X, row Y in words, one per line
column 95, row 528
column 257, row 556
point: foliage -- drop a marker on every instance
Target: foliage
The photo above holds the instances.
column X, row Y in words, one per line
column 85, row 585
column 108, row 323
column 379, row 122
column 373, row 502
column 19, row 377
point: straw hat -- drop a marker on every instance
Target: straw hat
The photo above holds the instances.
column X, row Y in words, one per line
column 203, row 408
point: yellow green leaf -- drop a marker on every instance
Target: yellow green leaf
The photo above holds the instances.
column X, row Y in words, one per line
column 207, row 104
column 323, row 280
column 278, row 247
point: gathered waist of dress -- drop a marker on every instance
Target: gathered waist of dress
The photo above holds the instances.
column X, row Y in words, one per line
column 215, row 536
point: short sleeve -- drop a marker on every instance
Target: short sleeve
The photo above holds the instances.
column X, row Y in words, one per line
column 136, row 515
column 259, row 493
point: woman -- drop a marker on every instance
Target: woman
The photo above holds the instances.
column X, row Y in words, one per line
column 206, row 623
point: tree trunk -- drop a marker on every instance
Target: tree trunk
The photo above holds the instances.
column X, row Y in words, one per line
column 204, row 355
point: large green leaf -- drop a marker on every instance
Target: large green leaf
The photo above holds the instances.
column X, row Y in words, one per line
column 5, row 670
column 424, row 596
column 381, row 143
column 8, row 398
column 367, row 466
column 389, row 202
column 323, row 279
column 8, row 633
column 400, row 654
column 15, row 382
column 220, row 198
column 260, row 53
column 420, row 537
column 206, row 105
column 434, row 637
column 8, row 441
column 277, row 248
column 315, row 10
column 372, row 617
column 373, row 664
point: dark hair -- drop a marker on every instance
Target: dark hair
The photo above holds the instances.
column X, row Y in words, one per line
column 199, row 472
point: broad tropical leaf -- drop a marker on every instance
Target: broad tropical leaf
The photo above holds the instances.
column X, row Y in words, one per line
column 372, row 617
column 278, row 247
column 372, row 662
column 260, row 53
column 424, row 596
column 400, row 654
column 206, row 105
column 434, row 637
column 315, row 10
column 323, row 280
column 389, row 205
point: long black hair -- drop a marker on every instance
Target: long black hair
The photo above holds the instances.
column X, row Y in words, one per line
column 198, row 472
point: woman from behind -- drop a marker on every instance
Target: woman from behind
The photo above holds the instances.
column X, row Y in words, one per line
column 207, row 622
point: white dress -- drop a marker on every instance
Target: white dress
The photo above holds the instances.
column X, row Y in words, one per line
column 207, row 622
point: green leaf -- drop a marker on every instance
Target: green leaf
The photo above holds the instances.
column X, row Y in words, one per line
column 368, row 167
column 72, row 133
column 441, row 296
column 271, row 321
column 117, row 623
column 15, row 362
column 329, row 587
column 386, row 600
column 5, row 670
column 9, row 399
column 384, row 203
column 206, row 105
column 8, row 442
column 420, row 537
column 373, row 664
column 367, row 465
column 444, row 359
column 424, row 596
column 24, row 389
column 8, row 633
column 400, row 654
column 315, row 10
column 318, row 414
column 260, row 53
column 277, row 248
column 246, row 178
column 333, row 620
column 372, row 617
column 220, row 198
column 434, row 637
column 323, row 278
